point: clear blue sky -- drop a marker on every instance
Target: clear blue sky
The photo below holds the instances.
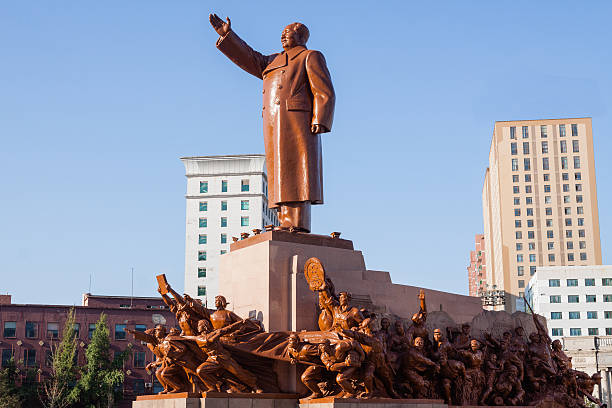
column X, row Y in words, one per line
column 98, row 100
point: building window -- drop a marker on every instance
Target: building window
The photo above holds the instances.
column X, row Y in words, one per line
column 580, row 233
column 607, row 314
column 513, row 149
column 565, row 176
column 548, row 211
column 574, row 315
column 572, row 282
column 555, row 298
column 551, row 257
column 579, row 210
column 549, row 234
column 578, row 198
column 532, row 258
column 244, row 185
column 580, row 222
column 576, row 162
column 203, row 222
column 592, row 315
column 544, row 147
column 515, row 178
column 517, row 201
column 77, row 329
column 224, row 186
column 519, row 257
column 31, row 330
column 556, row 315
column 528, row 189
column 556, row 332
column 525, row 131
column 140, row 327
column 582, row 244
column 521, row 283
column 90, row 330
column 139, row 359
column 545, row 165
column 564, row 163
column 607, row 298
column 554, row 283
column 517, row 212
column 593, row 332
column 515, row 189
column 520, row 270
column 574, row 129
column 547, row 188
column 532, row 270
column 563, row 146
column 547, row 200
column 244, row 221
column 203, row 205
column 223, row 251
column 583, row 256
column 224, row 238
column 528, row 200
column 570, row 257
column 519, row 246
column 518, row 235
column 577, row 176
column 549, row 222
column 52, row 330
column 223, row 205
column 568, row 222
column 573, row 299
column 29, row 357
column 575, row 146
column 551, row 246
column 223, row 221
column 525, row 147
column 512, row 132
column 546, row 177
column 203, row 186
column 201, row 290
column 530, row 212
column 514, row 164
column 201, row 272
column 7, row 355
column 566, row 188
column 567, row 210
column 527, row 164
column 591, row 298
column 244, row 204
column 10, row 330
column 566, row 199
column 562, row 130
column 543, row 131
column 530, row 235
column 568, row 234
column 578, row 187
column 201, row 255
column 527, row 178
column 202, row 239
column 589, row 282
column 575, row 331
column 120, row 331
column 531, row 246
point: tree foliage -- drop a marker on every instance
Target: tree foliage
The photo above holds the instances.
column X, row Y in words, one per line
column 101, row 376
column 56, row 390
column 9, row 396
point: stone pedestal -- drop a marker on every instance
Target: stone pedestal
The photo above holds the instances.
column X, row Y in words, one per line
column 216, row 400
column 262, row 277
column 372, row 403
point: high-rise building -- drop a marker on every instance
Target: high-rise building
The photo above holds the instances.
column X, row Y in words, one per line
column 226, row 196
column 539, row 201
column 477, row 269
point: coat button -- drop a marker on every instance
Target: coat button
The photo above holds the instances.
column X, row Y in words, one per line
column 279, row 86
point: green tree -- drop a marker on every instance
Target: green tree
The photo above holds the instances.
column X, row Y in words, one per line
column 101, row 376
column 56, row 390
column 9, row 395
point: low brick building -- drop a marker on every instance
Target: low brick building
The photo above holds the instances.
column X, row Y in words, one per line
column 29, row 330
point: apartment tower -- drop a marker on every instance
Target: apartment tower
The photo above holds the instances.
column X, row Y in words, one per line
column 539, row 201
column 226, row 196
column 477, row 269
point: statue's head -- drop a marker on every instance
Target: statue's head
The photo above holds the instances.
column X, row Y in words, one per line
column 419, row 343
column 475, row 345
column 465, row 328
column 174, row 331
column 519, row 331
column 556, row 345
column 325, row 347
column 385, row 323
column 294, row 340
column 204, row 326
column 596, row 378
column 399, row 328
column 437, row 335
column 344, row 298
column 220, row 302
column 293, row 35
column 160, row 331
column 534, row 337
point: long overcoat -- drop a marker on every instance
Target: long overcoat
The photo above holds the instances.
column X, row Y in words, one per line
column 297, row 93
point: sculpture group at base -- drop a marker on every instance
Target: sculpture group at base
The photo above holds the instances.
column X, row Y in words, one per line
column 356, row 354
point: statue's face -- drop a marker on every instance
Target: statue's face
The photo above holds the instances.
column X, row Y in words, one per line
column 465, row 329
column 219, row 303
column 343, row 299
column 289, row 38
column 519, row 331
column 419, row 343
column 385, row 323
column 556, row 345
column 437, row 335
column 160, row 332
column 293, row 341
column 474, row 345
column 399, row 328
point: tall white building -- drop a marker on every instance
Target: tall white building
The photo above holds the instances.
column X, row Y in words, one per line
column 576, row 300
column 226, row 196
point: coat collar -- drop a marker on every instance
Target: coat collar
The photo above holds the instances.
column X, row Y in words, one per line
column 281, row 59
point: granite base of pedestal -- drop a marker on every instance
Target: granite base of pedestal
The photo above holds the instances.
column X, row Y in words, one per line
column 216, row 400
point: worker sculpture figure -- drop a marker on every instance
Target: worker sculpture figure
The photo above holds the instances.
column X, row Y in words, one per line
column 298, row 105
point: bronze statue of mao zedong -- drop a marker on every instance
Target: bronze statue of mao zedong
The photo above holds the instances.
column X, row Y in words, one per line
column 298, row 105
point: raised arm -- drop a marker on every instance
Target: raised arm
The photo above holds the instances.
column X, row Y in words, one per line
column 237, row 50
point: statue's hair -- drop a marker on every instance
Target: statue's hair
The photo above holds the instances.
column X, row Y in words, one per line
column 347, row 294
column 302, row 32
column 222, row 299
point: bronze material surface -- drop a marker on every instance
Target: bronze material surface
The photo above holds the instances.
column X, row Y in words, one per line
column 285, row 236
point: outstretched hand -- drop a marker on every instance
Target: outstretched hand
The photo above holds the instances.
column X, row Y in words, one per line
column 220, row 26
